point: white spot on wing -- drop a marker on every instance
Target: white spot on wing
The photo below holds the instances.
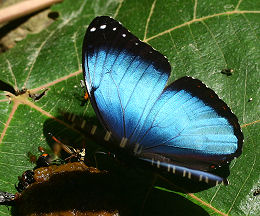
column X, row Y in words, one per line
column 123, row 35
column 107, row 136
column 158, row 164
column 93, row 129
column 114, row 29
column 173, row 169
column 102, row 26
column 123, row 142
column 83, row 124
column 93, row 29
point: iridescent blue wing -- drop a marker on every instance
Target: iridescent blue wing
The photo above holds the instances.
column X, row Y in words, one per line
column 189, row 126
column 184, row 128
column 124, row 77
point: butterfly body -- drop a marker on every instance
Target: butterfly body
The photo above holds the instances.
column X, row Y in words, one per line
column 183, row 128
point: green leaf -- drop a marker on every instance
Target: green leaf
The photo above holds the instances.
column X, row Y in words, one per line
column 200, row 39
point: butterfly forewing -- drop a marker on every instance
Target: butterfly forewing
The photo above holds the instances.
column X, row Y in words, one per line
column 117, row 68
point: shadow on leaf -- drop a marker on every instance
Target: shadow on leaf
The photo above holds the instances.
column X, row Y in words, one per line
column 126, row 185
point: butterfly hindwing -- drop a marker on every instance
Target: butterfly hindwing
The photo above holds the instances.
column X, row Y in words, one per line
column 182, row 123
column 190, row 127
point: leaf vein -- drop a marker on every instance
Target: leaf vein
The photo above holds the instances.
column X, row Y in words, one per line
column 148, row 20
column 198, row 20
column 195, row 9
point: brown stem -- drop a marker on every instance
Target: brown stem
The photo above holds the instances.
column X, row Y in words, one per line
column 24, row 8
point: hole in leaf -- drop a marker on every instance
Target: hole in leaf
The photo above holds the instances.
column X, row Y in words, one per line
column 53, row 15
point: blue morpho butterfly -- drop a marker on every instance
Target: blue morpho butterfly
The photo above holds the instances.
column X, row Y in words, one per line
column 183, row 128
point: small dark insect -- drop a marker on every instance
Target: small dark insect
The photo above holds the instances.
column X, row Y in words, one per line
column 256, row 192
column 250, row 99
column 76, row 154
column 227, row 71
column 45, row 160
column 25, row 180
